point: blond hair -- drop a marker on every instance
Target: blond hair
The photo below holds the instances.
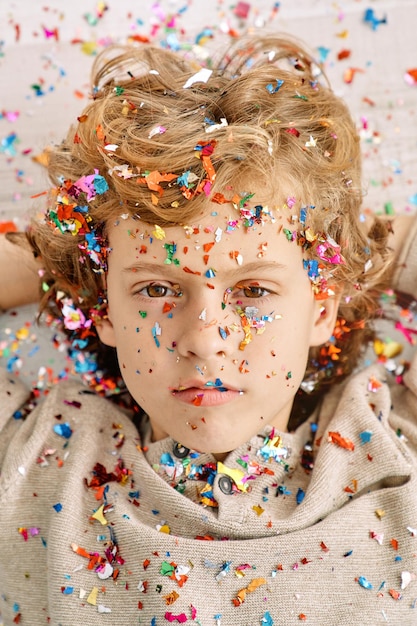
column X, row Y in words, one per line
column 277, row 122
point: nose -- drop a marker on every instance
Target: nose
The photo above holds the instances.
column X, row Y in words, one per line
column 205, row 333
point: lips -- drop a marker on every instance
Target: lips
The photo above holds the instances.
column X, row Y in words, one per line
column 206, row 397
column 207, row 394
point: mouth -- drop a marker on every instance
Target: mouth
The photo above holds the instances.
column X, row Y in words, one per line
column 210, row 393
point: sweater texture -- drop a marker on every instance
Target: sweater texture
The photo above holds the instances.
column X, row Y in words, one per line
column 101, row 526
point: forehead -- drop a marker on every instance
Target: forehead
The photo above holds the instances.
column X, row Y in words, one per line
column 225, row 235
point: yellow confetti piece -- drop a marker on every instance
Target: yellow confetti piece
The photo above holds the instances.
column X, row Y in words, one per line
column 92, row 598
column 159, row 232
column 164, row 529
column 379, row 513
column 235, row 474
column 258, row 509
column 99, row 515
column 389, row 349
column 89, row 47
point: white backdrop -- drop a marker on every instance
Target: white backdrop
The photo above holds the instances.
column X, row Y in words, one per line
column 47, row 48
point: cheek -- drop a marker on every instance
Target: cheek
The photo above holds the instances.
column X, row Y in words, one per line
column 276, row 351
column 145, row 341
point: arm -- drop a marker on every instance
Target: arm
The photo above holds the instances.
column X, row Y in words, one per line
column 19, row 280
column 404, row 243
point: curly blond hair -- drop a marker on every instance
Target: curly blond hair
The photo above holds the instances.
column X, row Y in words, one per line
column 276, row 121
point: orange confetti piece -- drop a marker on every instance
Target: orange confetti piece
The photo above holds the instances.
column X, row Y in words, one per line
column 353, row 488
column 342, row 442
column 38, row 195
column 349, row 74
column 171, row 597
column 198, row 399
column 394, row 544
column 9, row 227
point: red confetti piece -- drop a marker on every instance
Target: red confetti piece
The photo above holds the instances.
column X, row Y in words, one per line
column 292, row 131
column 343, row 54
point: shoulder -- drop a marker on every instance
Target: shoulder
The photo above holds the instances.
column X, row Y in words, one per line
column 374, row 398
column 13, row 394
column 71, row 418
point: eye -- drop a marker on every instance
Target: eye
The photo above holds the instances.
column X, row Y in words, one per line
column 252, row 291
column 157, row 290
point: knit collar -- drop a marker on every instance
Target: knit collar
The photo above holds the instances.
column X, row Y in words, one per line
column 252, row 470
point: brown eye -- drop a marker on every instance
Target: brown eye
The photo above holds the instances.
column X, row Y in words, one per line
column 156, row 291
column 252, row 291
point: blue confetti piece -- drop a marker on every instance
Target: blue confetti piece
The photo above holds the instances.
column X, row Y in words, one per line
column 271, row 89
column 267, row 619
column 57, row 507
column 323, row 53
column 155, row 332
column 67, row 591
column 300, row 495
column 34, row 351
column 364, row 582
column 11, row 362
column 365, row 436
column 223, row 333
column 63, row 430
column 371, row 19
column 413, row 199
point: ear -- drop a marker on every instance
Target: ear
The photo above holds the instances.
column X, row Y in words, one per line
column 325, row 319
column 105, row 331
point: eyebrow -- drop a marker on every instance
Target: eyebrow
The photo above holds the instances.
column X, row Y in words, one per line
column 246, row 268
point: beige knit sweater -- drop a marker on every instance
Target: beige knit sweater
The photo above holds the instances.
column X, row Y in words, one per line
column 96, row 530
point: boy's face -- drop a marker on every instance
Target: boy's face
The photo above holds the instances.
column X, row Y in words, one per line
column 212, row 335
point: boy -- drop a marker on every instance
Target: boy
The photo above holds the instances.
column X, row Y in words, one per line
column 205, row 226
